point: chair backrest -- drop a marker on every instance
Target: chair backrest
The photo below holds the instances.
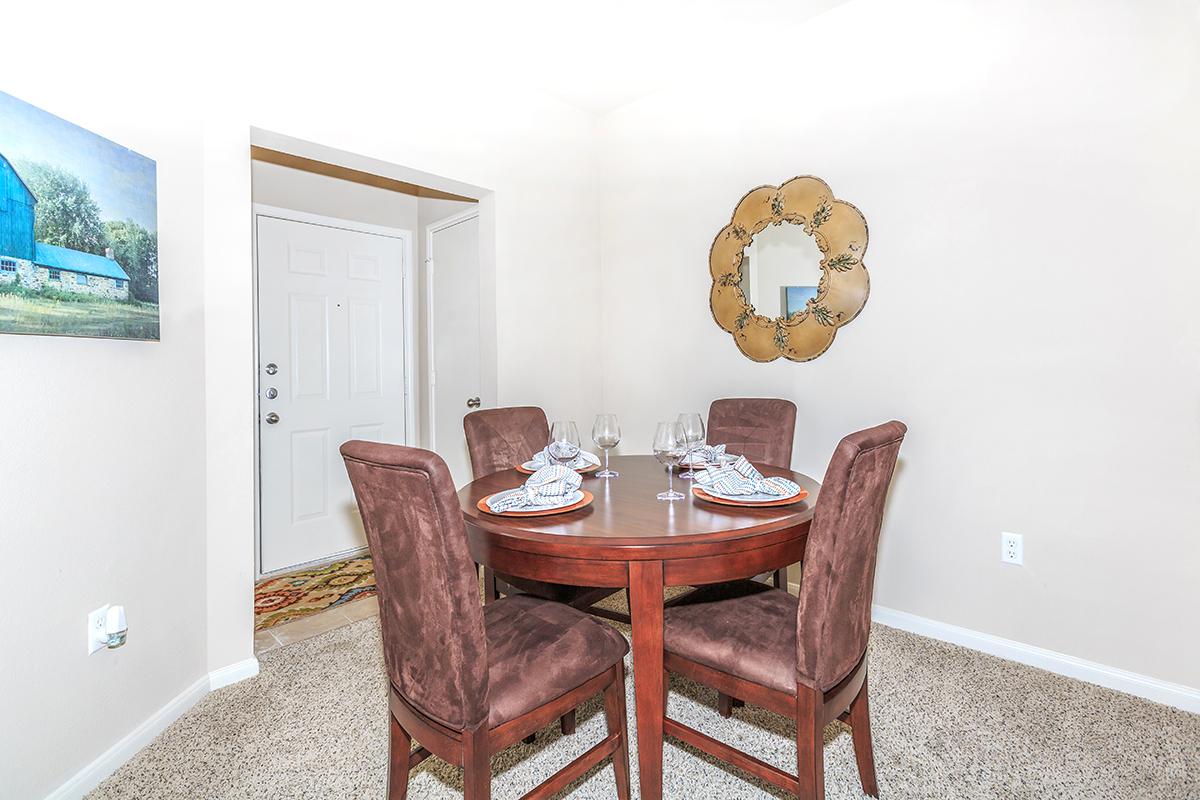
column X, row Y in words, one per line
column 834, row 619
column 501, row 438
column 759, row 428
column 429, row 604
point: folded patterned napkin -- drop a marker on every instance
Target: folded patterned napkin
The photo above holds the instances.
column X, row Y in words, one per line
column 584, row 459
column 548, row 487
column 706, row 454
column 741, row 478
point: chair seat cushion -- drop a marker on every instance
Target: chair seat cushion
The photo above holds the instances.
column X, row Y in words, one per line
column 745, row 628
column 539, row 650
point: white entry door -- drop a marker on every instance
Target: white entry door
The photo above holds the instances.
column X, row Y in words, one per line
column 455, row 380
column 331, row 367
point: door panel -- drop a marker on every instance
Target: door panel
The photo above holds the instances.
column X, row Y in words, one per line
column 454, row 253
column 366, row 344
column 331, row 318
column 310, row 478
column 309, row 345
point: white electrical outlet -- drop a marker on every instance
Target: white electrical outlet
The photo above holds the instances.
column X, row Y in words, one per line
column 97, row 638
column 1012, row 548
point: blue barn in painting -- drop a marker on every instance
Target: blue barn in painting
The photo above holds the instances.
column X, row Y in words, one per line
column 37, row 265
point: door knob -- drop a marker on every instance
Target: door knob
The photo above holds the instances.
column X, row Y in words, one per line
column 473, row 402
column 272, row 418
column 272, row 369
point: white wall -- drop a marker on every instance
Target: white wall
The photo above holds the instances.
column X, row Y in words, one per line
column 103, row 486
column 1029, row 172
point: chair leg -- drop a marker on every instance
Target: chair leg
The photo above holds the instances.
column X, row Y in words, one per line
column 614, row 715
column 491, row 592
column 567, row 723
column 726, row 704
column 810, row 744
column 781, row 579
column 401, row 743
column 477, row 765
column 864, row 753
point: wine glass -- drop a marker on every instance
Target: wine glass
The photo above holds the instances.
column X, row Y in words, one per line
column 693, row 437
column 669, row 449
column 606, row 433
column 564, row 442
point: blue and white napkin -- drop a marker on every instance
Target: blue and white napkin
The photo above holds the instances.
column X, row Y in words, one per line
column 550, row 487
column 583, row 460
column 706, row 454
column 741, row 479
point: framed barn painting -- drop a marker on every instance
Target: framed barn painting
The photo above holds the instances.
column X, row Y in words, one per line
column 78, row 230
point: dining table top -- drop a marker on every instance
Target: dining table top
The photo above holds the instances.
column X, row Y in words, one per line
column 626, row 516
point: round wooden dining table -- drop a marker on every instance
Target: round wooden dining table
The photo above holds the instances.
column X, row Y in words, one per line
column 627, row 538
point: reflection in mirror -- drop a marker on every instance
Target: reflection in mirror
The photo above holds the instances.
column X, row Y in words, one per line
column 781, row 268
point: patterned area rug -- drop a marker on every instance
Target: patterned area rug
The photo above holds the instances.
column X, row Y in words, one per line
column 298, row 594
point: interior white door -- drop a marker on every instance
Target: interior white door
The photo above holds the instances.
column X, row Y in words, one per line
column 455, row 385
column 331, row 368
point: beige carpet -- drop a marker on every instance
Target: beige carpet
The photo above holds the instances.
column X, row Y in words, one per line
column 949, row 723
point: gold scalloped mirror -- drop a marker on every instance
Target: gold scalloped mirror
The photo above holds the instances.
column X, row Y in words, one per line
column 788, row 270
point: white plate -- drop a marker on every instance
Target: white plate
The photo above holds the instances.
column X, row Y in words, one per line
column 571, row 499
column 749, row 498
column 585, row 465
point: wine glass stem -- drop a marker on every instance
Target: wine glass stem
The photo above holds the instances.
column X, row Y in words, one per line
column 670, row 482
column 606, row 459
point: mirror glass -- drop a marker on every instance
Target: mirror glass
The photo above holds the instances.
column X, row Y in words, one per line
column 781, row 268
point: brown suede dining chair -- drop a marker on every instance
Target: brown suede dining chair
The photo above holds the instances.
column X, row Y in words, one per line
column 761, row 429
column 468, row 680
column 499, row 439
column 805, row 657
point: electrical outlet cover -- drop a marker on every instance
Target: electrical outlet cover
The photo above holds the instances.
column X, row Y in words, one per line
column 1012, row 548
column 97, row 639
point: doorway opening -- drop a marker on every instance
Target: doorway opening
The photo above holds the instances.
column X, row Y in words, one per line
column 354, row 339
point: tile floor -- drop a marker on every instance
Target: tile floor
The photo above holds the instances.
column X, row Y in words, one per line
column 315, row 624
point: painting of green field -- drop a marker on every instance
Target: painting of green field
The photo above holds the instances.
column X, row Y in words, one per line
column 78, row 230
column 33, row 313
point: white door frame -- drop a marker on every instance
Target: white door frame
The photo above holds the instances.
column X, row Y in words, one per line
column 410, row 418
column 430, row 361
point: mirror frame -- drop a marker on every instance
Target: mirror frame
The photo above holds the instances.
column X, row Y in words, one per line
column 840, row 231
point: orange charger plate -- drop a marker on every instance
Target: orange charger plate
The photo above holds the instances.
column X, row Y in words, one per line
column 786, row 501
column 541, row 512
column 584, row 471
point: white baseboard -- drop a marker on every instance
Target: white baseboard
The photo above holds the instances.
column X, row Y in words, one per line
column 225, row 676
column 1170, row 694
column 128, row 746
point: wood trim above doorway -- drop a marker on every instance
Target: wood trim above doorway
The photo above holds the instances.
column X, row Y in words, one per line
column 270, row 156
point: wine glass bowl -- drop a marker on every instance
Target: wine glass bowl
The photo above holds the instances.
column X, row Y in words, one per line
column 606, row 433
column 670, row 446
column 693, row 437
column 564, row 442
